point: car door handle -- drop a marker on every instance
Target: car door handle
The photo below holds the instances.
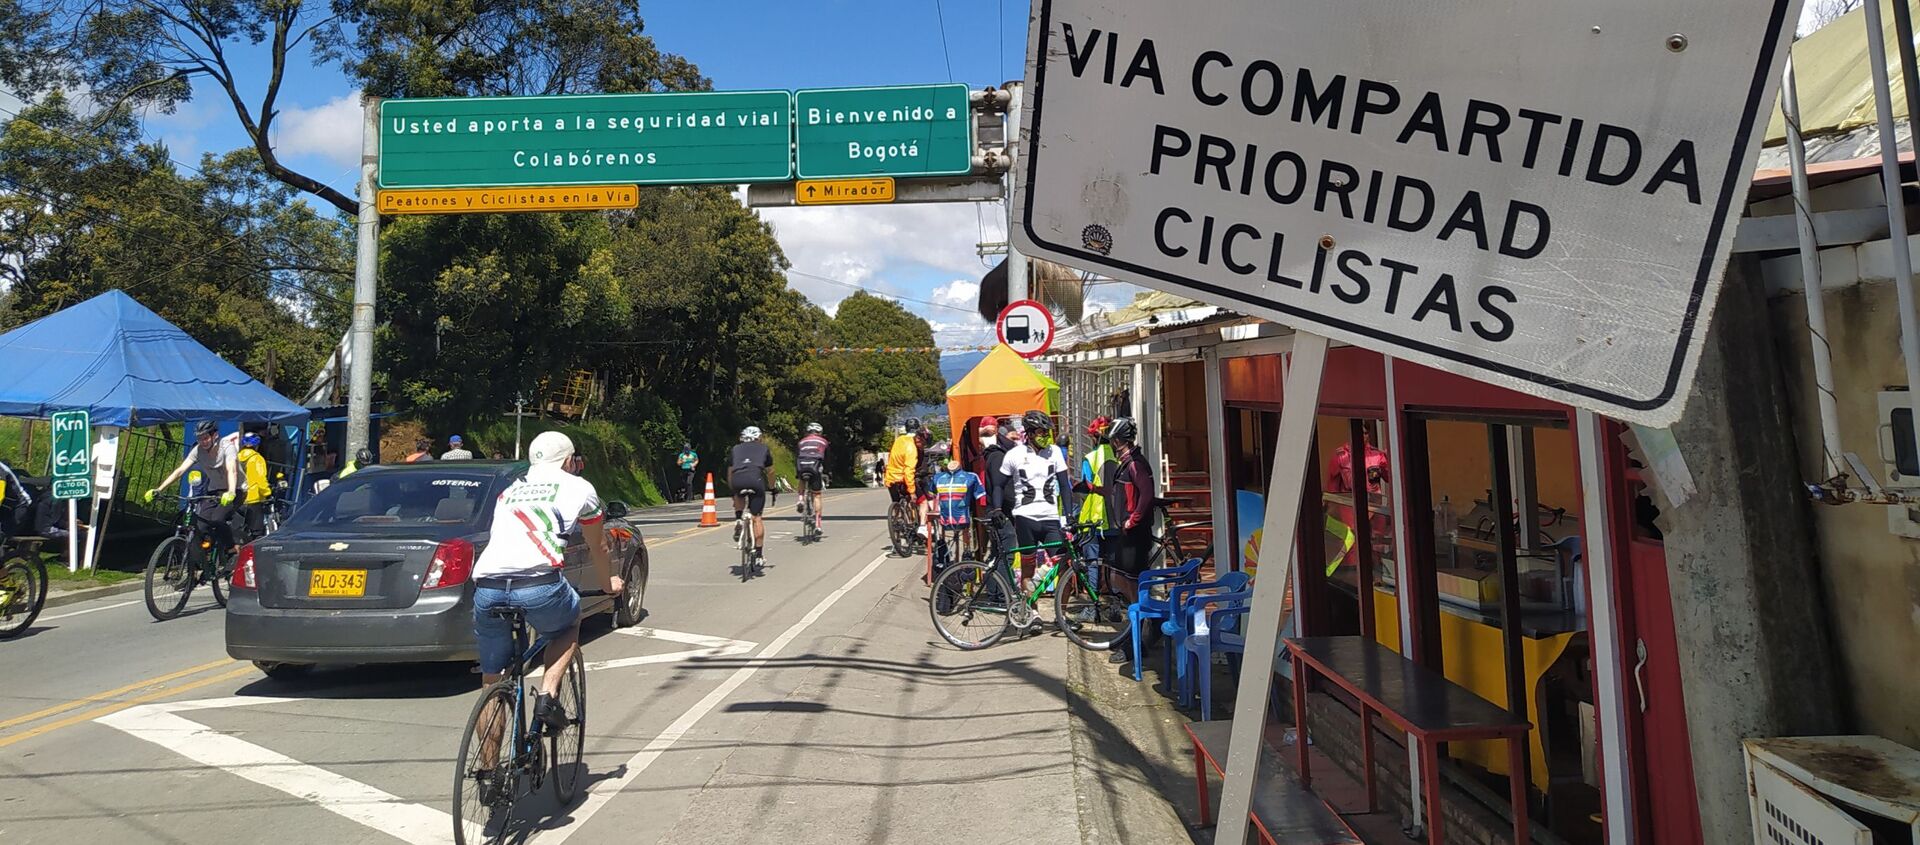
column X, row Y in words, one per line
column 1639, row 672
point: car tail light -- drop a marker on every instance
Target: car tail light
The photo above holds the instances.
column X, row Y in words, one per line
column 452, row 565
column 243, row 571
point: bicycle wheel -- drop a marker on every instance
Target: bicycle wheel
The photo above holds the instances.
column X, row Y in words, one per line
column 969, row 604
column 483, row 791
column 746, row 551
column 219, row 568
column 169, row 578
column 1094, row 618
column 567, row 745
column 899, row 531
column 23, row 588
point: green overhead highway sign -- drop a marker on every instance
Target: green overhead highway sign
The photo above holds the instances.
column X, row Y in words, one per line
column 906, row 130
column 587, row 139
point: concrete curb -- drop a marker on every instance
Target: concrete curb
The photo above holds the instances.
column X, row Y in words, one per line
column 1130, row 757
column 66, row 597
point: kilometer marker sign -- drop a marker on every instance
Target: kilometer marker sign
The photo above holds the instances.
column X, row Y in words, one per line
column 1539, row 195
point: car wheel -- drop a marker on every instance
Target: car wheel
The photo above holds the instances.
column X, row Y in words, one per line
column 631, row 605
column 283, row 671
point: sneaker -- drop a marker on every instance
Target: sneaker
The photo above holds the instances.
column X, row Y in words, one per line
column 548, row 712
column 759, row 560
column 1120, row 656
column 493, row 793
column 1081, row 615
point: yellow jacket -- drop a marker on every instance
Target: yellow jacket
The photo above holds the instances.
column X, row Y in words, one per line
column 253, row 472
column 902, row 461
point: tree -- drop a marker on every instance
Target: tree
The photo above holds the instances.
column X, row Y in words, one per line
column 857, row 392
column 224, row 253
column 149, row 52
column 1823, row 12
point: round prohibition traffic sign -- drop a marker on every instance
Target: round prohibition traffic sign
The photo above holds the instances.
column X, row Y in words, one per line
column 1026, row 327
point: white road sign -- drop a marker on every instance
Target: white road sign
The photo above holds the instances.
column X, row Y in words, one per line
column 1539, row 194
column 1026, row 327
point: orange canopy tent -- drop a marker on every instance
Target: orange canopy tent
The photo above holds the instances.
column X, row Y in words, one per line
column 1002, row 384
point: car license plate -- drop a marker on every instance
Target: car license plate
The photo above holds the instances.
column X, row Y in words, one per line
column 338, row 583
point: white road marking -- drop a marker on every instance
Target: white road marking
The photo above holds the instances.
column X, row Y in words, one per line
column 343, row 796
column 374, row 808
column 710, row 647
column 89, row 610
column 601, row 793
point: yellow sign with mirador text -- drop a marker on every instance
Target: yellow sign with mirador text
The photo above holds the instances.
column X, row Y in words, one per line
column 497, row 200
column 842, row 191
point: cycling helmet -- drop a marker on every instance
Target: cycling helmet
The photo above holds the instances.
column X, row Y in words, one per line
column 250, row 440
column 815, row 428
column 913, row 425
column 1036, row 421
column 206, row 427
column 1123, row 430
column 750, row 434
column 1098, row 428
column 363, row 457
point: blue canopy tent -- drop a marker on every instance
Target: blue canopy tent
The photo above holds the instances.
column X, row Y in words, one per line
column 127, row 367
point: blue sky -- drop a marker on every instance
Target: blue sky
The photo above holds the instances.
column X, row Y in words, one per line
column 916, row 252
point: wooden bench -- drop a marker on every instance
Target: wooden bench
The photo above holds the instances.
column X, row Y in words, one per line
column 1415, row 699
column 1282, row 810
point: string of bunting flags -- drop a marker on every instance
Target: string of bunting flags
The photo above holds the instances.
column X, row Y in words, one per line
column 825, row 350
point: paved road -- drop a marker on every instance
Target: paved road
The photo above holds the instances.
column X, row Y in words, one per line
column 814, row 704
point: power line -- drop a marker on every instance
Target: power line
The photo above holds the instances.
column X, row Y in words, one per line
column 1001, row 22
column 942, row 15
column 882, row 294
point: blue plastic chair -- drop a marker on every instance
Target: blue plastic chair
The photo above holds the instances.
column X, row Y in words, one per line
column 1186, row 598
column 1224, row 635
column 1146, row 607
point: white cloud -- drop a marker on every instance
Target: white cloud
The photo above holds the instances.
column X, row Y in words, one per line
column 961, row 334
column 961, row 292
column 884, row 246
column 330, row 131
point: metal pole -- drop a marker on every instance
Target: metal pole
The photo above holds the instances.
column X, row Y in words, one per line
column 1282, row 523
column 1810, row 277
column 519, row 413
column 366, row 267
column 1896, row 210
column 1603, row 613
column 1403, row 550
column 1017, row 146
column 1220, row 494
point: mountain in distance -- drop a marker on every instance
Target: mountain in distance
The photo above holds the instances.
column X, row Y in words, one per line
column 954, row 366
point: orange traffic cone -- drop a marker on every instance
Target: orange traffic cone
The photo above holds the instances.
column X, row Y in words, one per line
column 709, row 515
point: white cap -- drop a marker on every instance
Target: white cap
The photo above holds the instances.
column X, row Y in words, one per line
column 550, row 448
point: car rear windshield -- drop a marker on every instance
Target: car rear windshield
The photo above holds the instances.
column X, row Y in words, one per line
column 374, row 499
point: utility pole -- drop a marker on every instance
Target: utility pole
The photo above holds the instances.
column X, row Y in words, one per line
column 1017, row 151
column 519, row 413
column 366, row 267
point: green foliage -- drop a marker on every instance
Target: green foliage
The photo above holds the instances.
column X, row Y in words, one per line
column 226, row 254
column 857, row 392
column 619, row 461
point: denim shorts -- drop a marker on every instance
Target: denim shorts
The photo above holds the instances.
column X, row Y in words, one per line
column 551, row 610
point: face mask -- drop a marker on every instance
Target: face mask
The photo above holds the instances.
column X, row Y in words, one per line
column 988, row 441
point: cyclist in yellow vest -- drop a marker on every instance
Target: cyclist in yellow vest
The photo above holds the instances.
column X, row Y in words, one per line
column 1096, row 477
column 254, row 486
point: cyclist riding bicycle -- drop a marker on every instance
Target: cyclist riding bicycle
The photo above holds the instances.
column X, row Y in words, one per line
column 747, row 474
column 215, row 460
column 256, row 491
column 523, row 566
column 810, row 462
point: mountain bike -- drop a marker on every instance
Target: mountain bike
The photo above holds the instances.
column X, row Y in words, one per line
column 23, row 584
column 483, row 791
column 174, row 569
column 975, row 604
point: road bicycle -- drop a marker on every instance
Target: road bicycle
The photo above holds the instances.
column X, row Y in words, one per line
column 1173, row 545
column 23, row 584
column 903, row 522
column 809, row 518
column 750, row 564
column 485, row 786
column 949, row 546
column 174, row 569
column 975, row 604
